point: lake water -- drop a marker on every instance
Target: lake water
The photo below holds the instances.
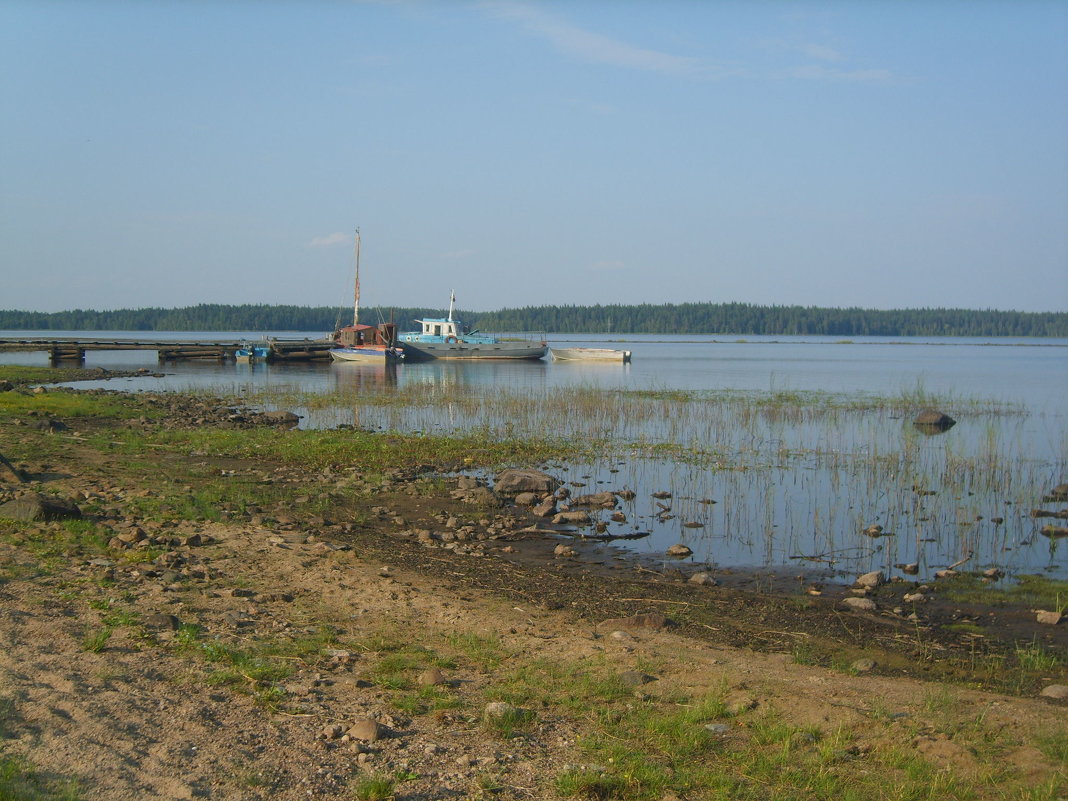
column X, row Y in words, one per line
column 785, row 483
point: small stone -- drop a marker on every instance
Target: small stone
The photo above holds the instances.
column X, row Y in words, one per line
column 864, row 665
column 718, row 728
column 1059, row 691
column 331, row 732
column 911, row 569
column 635, row 678
column 914, row 598
column 1049, row 618
column 161, row 621
column 947, row 573
column 565, row 551
column 431, row 677
column 367, row 730
column 703, row 578
column 679, row 551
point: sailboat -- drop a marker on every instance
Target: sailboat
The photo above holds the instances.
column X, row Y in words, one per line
column 365, row 343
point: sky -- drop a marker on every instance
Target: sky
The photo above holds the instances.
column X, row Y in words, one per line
column 874, row 154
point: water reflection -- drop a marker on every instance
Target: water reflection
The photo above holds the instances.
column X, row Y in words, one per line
column 794, row 483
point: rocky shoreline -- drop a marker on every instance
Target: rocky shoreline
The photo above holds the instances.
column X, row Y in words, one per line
column 352, row 628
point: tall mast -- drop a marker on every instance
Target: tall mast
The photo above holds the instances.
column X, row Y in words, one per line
column 356, row 300
column 452, row 302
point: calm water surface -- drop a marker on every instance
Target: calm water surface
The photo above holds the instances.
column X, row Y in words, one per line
column 783, row 487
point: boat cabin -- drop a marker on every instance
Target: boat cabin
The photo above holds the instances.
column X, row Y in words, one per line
column 353, row 336
column 441, row 327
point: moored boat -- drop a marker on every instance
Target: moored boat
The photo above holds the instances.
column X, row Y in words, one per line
column 253, row 353
column 589, row 354
column 365, row 343
column 447, row 338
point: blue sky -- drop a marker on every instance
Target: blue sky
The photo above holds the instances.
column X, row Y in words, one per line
column 873, row 154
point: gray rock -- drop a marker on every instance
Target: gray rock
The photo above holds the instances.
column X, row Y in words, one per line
column 605, row 500
column 1059, row 691
column 860, row 604
column 864, row 665
column 703, row 578
column 565, row 551
column 679, row 551
column 545, row 509
column 572, row 519
column 718, row 728
column 1048, row 617
column 515, row 480
column 527, row 499
column 869, row 581
column 38, row 507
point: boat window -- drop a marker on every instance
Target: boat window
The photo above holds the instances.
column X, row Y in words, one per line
column 437, row 330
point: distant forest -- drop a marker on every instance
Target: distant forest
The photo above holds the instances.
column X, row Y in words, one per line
column 671, row 318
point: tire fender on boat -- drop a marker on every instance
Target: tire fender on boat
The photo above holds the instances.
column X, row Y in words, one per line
column 450, row 340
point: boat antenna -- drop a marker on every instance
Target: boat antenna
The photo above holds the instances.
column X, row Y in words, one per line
column 452, row 302
column 356, row 299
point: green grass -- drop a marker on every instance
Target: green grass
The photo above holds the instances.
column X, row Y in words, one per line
column 96, row 641
column 374, row 788
column 67, row 404
column 20, row 781
column 257, row 668
column 57, row 541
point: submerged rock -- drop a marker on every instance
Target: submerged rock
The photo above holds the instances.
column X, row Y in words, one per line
column 930, row 421
column 1058, row 493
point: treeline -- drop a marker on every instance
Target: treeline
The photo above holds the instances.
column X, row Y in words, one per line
column 209, row 317
column 672, row 318
column 746, row 318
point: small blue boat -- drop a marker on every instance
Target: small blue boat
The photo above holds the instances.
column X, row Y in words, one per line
column 253, row 353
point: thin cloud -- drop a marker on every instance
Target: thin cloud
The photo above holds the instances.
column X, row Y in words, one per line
column 818, row 72
column 821, row 52
column 329, row 240
column 587, row 45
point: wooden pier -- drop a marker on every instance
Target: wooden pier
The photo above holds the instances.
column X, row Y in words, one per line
column 74, row 350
